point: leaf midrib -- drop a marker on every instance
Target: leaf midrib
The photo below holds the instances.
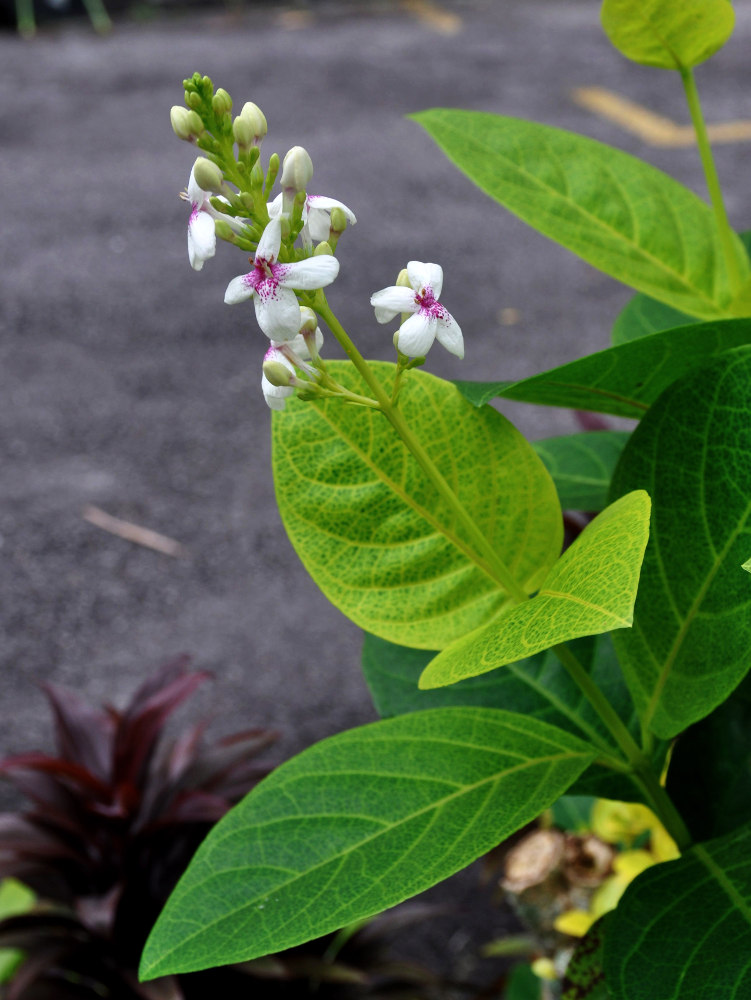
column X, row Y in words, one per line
column 438, row 805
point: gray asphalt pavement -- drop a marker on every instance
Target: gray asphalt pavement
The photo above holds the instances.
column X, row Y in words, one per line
column 126, row 383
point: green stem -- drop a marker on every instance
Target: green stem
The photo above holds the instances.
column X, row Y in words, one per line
column 727, row 236
column 640, row 766
column 494, row 566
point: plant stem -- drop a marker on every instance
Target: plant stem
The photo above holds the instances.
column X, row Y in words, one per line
column 640, row 766
column 727, row 236
column 494, row 566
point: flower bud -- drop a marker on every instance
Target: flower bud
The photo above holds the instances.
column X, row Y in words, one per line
column 323, row 249
column 308, row 320
column 208, row 176
column 194, row 100
column 221, row 101
column 255, row 119
column 186, row 124
column 277, row 373
column 338, row 221
column 297, row 170
column 403, row 280
column 224, row 230
column 242, row 132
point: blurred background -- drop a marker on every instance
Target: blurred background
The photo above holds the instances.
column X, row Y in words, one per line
column 127, row 386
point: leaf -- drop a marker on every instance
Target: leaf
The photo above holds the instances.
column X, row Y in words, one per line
column 374, row 533
column 584, row 978
column 669, row 34
column 523, row 984
column 573, row 813
column 620, row 214
column 682, row 931
column 591, row 589
column 688, row 647
column 710, row 768
column 15, row 898
column 643, row 315
column 623, row 380
column 581, row 466
column 356, row 824
column 538, row 687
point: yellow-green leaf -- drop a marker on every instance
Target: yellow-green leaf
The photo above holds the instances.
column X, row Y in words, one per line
column 374, row 533
column 591, row 589
column 669, row 34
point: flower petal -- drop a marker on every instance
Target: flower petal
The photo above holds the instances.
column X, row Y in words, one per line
column 416, row 336
column 274, row 208
column 277, row 312
column 201, row 239
column 238, row 290
column 306, row 275
column 270, row 241
column 275, row 395
column 392, row 300
column 196, row 195
column 317, row 215
column 448, row 332
column 420, row 274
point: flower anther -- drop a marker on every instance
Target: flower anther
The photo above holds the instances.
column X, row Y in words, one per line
column 429, row 320
column 272, row 285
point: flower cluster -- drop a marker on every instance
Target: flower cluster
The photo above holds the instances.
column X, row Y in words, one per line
column 292, row 238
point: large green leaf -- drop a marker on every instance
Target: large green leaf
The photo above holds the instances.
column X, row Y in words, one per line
column 709, row 778
column 582, row 465
column 618, row 213
column 643, row 315
column 669, row 34
column 356, row 824
column 689, row 645
column 623, row 380
column 682, row 931
column 591, row 589
column 585, row 976
column 374, row 533
column 538, row 687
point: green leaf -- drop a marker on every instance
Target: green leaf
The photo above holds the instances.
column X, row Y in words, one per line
column 709, row 778
column 585, row 978
column 581, row 466
column 682, row 931
column 15, row 898
column 621, row 215
column 591, row 589
column 523, row 984
column 357, row 824
column 374, row 533
column 643, row 315
column 538, row 687
column 669, row 34
column 689, row 647
column 573, row 813
column 623, row 380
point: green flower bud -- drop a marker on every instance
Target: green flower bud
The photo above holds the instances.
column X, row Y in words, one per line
column 297, row 169
column 309, row 320
column 208, row 176
column 186, row 124
column 403, row 280
column 323, row 250
column 277, row 373
column 221, row 102
column 256, row 119
column 338, row 220
column 224, row 230
column 242, row 132
column 193, row 100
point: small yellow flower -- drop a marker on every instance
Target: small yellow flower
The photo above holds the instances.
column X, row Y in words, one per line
column 575, row 922
column 544, row 968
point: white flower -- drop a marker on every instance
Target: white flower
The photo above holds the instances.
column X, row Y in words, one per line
column 201, row 234
column 316, row 214
column 431, row 320
column 270, row 285
column 289, row 354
